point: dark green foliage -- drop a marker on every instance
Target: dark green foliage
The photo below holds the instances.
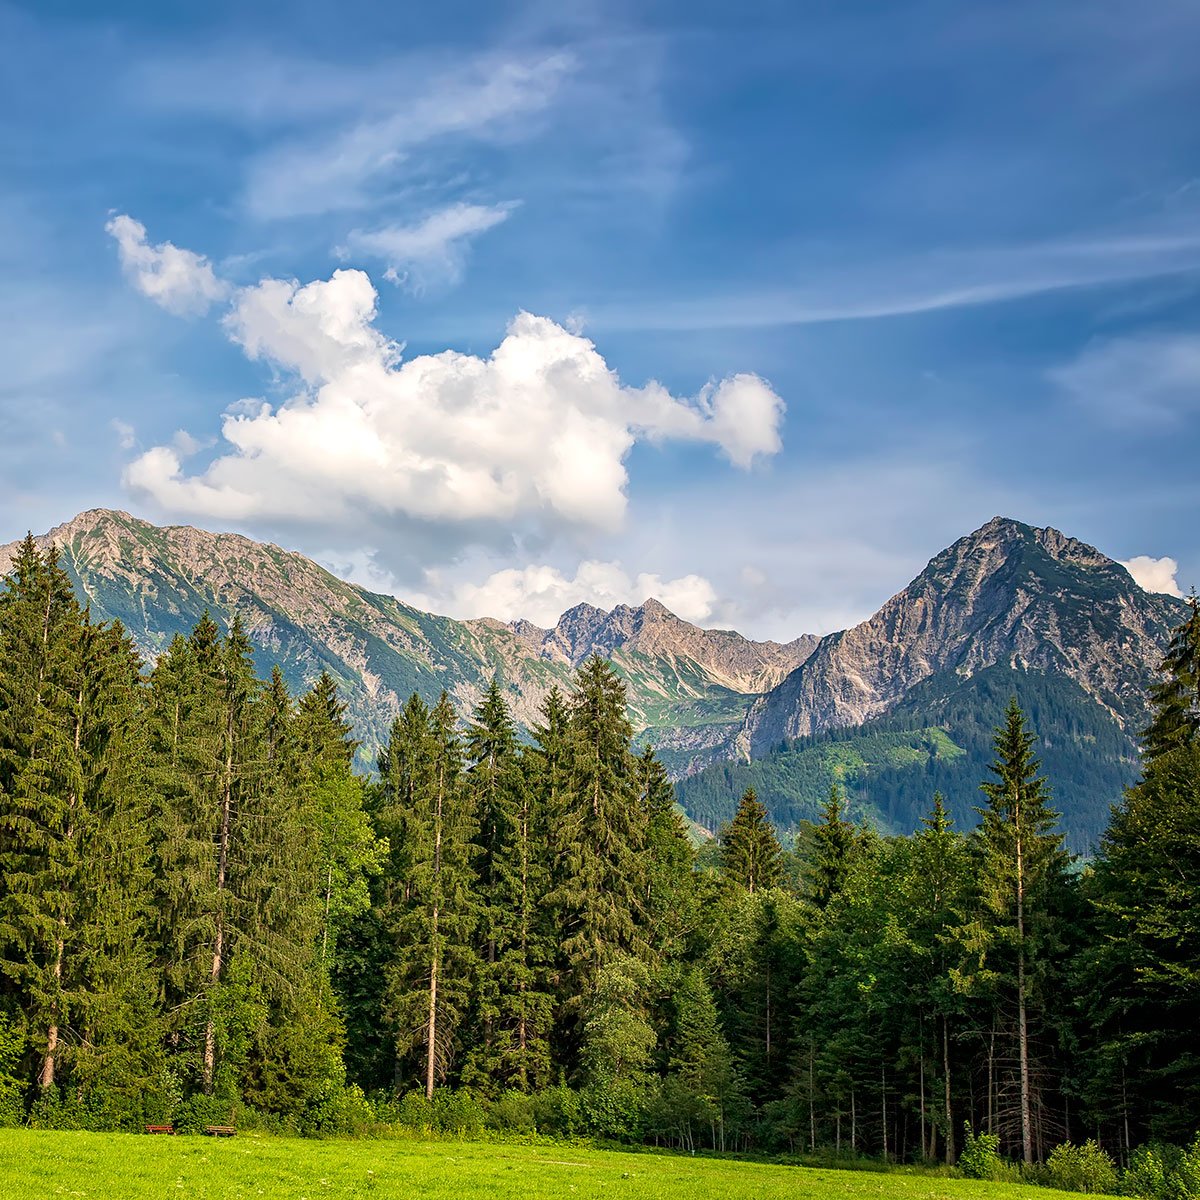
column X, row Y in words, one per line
column 1144, row 969
column 1176, row 698
column 750, row 852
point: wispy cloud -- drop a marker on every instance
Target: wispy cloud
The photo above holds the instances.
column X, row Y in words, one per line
column 910, row 286
column 1137, row 380
column 431, row 250
column 348, row 167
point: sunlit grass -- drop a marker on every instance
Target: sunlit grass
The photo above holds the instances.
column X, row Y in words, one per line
column 37, row 1164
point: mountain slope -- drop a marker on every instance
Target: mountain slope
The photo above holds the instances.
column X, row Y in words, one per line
column 938, row 738
column 1006, row 595
column 694, row 684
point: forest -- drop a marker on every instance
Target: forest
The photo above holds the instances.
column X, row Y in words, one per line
column 207, row 915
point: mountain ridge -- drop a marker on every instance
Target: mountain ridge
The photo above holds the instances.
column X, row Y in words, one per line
column 159, row 579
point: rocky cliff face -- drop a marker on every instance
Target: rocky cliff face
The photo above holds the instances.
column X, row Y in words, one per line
column 158, row 581
column 1007, row 594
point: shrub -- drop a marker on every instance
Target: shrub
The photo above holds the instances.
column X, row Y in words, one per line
column 1085, row 1168
column 980, row 1157
column 1161, row 1172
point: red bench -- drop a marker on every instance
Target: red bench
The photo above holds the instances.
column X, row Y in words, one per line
column 160, row 1128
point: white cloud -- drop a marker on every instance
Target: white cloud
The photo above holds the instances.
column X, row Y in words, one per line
column 126, row 434
column 536, row 433
column 1154, row 574
column 431, row 251
column 343, row 170
column 1136, row 380
column 541, row 594
column 180, row 281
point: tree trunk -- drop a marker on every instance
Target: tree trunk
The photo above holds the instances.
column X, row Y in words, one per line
column 218, row 957
column 950, row 1155
column 1022, row 1022
column 434, row 948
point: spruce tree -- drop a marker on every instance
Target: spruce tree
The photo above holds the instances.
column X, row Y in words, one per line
column 598, row 835
column 427, row 816
column 1175, row 700
column 513, row 1003
column 1144, row 971
column 750, row 852
column 41, row 793
column 670, row 905
column 1021, row 867
column 834, row 841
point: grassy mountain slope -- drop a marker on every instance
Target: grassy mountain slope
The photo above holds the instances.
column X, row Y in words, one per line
column 939, row 738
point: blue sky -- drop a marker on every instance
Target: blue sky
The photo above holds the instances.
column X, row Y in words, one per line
column 501, row 307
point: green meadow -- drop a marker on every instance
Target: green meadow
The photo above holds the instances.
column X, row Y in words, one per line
column 133, row 1167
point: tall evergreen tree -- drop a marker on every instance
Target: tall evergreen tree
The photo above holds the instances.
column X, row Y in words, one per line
column 750, row 852
column 1022, row 864
column 427, row 816
column 513, row 1000
column 1175, row 700
column 833, row 849
column 598, row 834
column 41, row 792
column 1143, row 972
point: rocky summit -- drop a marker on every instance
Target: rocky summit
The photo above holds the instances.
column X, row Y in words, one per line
column 1006, row 595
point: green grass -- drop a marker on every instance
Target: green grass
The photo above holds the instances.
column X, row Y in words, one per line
column 133, row 1167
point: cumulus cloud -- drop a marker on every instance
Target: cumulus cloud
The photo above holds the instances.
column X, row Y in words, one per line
column 180, row 281
column 536, row 432
column 1154, row 574
column 541, row 594
column 433, row 250
column 1135, row 380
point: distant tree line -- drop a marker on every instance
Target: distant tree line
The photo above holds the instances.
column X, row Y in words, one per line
column 207, row 915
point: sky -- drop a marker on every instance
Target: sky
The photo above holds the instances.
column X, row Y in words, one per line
column 503, row 307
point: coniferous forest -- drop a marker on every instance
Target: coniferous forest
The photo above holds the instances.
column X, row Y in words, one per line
column 207, row 915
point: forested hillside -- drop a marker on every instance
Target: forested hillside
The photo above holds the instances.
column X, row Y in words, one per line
column 939, row 738
column 208, row 916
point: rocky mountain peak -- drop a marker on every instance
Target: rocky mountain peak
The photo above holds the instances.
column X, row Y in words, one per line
column 1007, row 594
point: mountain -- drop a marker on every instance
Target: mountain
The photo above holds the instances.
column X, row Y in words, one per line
column 690, row 687
column 1007, row 594
column 898, row 705
column 905, row 702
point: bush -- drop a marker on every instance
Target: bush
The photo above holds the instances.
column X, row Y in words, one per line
column 980, row 1157
column 557, row 1112
column 1085, row 1168
column 1161, row 1172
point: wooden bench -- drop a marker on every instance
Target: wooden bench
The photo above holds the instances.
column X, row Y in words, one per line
column 220, row 1130
column 160, row 1128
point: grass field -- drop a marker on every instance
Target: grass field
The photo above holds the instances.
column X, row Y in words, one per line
column 36, row 1164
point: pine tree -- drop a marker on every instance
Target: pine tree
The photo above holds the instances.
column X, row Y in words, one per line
column 41, row 792
column 1175, row 700
column 833, row 849
column 598, row 835
column 427, row 817
column 750, row 852
column 669, row 907
column 513, row 1003
column 935, row 898
column 1022, row 864
column 1144, row 972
